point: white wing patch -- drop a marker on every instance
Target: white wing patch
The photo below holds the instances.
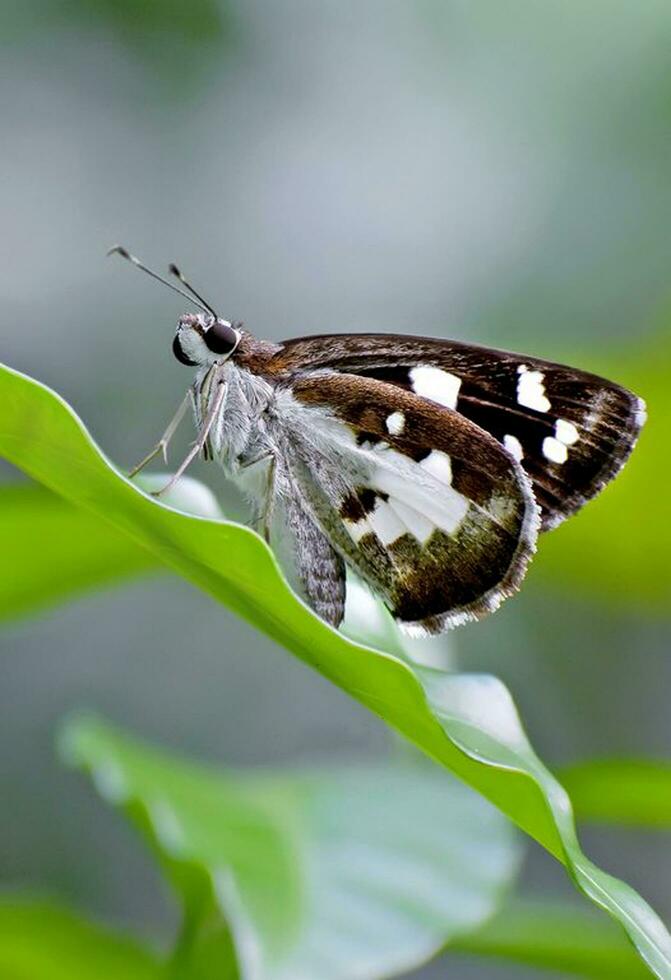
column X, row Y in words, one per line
column 386, row 522
column 408, row 509
column 555, row 448
column 395, row 423
column 566, row 432
column 531, row 390
column 419, row 526
column 437, row 385
column 417, row 498
column 441, row 504
column 514, row 447
column 357, row 529
column 438, row 464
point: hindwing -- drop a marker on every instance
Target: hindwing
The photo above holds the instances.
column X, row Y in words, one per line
column 427, row 507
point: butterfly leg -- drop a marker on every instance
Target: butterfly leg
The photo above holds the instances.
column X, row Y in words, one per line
column 320, row 568
column 161, row 446
column 197, row 447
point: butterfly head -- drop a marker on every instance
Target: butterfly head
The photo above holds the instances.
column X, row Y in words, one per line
column 201, row 339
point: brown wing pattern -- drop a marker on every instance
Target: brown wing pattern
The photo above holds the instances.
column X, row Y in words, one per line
column 423, row 504
column 572, row 431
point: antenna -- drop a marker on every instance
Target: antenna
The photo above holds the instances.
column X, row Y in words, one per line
column 124, row 253
column 175, row 272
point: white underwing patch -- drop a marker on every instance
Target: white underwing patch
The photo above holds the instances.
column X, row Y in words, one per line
column 531, row 390
column 438, row 464
column 395, row 423
column 446, row 509
column 386, row 523
column 566, row 432
column 435, row 384
column 357, row 529
column 514, row 447
column 554, row 450
column 419, row 526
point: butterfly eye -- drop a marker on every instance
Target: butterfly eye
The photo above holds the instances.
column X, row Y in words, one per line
column 221, row 338
column 179, row 353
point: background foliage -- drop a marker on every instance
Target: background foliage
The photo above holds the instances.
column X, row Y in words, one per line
column 494, row 173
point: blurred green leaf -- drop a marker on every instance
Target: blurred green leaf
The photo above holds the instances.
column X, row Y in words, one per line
column 466, row 722
column 195, row 21
column 556, row 937
column 633, row 792
column 41, row 941
column 346, row 874
column 178, row 41
column 618, row 547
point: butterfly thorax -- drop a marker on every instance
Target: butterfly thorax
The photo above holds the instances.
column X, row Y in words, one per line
column 239, row 434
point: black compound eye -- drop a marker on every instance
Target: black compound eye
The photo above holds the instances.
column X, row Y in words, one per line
column 179, row 353
column 221, row 338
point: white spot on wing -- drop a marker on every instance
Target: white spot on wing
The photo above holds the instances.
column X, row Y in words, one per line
column 440, row 386
column 531, row 391
column 386, row 524
column 446, row 510
column 357, row 529
column 395, row 423
column 438, row 464
column 514, row 447
column 419, row 526
column 566, row 432
column 554, row 450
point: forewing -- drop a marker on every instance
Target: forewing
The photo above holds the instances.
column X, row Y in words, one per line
column 422, row 503
column 571, row 431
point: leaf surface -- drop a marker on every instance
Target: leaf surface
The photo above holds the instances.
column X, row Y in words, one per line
column 52, row 550
column 468, row 723
column 632, row 792
column 43, row 941
column 346, row 874
column 556, row 936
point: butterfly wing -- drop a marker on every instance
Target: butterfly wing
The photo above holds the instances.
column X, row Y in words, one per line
column 570, row 430
column 426, row 507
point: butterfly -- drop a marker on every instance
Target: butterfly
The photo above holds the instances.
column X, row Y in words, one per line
column 427, row 466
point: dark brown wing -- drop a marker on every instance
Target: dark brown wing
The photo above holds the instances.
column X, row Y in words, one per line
column 572, row 431
column 426, row 507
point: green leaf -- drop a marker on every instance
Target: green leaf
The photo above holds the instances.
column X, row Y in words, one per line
column 346, row 874
column 633, row 792
column 42, row 941
column 556, row 937
column 468, row 723
column 159, row 32
column 52, row 550
column 618, row 547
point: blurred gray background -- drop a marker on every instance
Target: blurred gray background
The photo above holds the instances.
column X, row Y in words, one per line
column 489, row 171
